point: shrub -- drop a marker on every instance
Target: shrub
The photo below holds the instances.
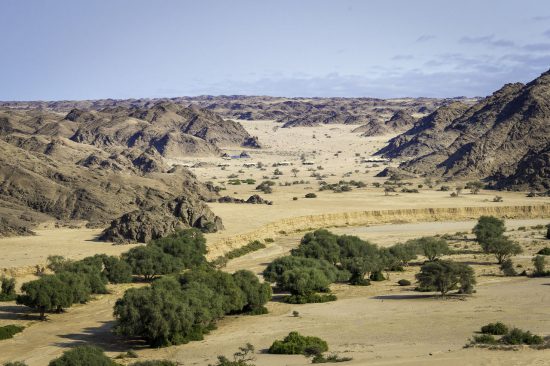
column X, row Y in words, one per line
column 485, row 339
column 540, row 263
column 8, row 331
column 544, row 251
column 507, row 268
column 446, row 276
column 404, row 282
column 497, row 328
column 83, row 355
column 15, row 363
column 518, row 336
column 240, row 358
column 7, row 292
column 295, row 344
column 309, row 298
column 154, row 363
column 310, row 195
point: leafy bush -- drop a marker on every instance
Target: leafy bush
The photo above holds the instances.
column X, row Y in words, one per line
column 296, row 344
column 507, row 267
column 15, row 363
column 518, row 336
column 539, row 262
column 310, row 195
column 404, row 282
column 497, row 328
column 154, row 363
column 431, row 247
column 7, row 292
column 485, row 339
column 83, row 355
column 309, row 298
column 8, row 331
column 544, row 251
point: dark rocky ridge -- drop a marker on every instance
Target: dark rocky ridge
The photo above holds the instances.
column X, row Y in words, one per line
column 503, row 139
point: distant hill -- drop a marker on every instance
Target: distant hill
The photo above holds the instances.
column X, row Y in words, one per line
column 504, row 139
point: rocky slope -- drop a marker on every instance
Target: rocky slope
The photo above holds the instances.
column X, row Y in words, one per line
column 100, row 166
column 504, row 138
column 399, row 121
column 291, row 112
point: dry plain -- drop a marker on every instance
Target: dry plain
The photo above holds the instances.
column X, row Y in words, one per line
column 382, row 324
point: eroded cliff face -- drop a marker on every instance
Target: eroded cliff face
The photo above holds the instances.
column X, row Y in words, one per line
column 374, row 217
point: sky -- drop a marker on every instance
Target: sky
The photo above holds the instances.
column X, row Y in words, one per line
column 76, row 49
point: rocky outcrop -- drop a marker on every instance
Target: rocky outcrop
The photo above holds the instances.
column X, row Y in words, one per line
column 254, row 199
column 496, row 139
column 155, row 222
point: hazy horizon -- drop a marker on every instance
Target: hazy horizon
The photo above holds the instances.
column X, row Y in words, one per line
column 62, row 50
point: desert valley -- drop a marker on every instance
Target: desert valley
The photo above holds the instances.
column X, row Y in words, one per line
column 274, row 183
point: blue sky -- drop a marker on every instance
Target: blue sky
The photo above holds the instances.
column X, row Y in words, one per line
column 76, row 49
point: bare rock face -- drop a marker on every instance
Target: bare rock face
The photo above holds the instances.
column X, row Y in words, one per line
column 254, row 200
column 533, row 172
column 497, row 139
column 156, row 222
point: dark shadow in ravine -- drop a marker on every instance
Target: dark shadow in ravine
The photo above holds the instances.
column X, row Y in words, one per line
column 101, row 336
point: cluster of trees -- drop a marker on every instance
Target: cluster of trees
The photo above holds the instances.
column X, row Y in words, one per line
column 181, row 250
column 445, row 276
column 489, row 233
column 323, row 258
column 73, row 282
column 179, row 309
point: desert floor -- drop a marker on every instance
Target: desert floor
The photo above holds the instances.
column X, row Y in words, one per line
column 382, row 324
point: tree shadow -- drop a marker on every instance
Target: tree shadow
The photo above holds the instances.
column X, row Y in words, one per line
column 101, row 336
column 405, row 297
column 17, row 312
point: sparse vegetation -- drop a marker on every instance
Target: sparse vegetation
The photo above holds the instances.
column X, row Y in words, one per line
column 8, row 331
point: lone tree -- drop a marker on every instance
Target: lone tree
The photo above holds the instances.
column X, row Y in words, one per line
column 488, row 228
column 431, row 247
column 503, row 248
column 295, row 171
column 8, row 289
column 445, row 276
column 474, row 186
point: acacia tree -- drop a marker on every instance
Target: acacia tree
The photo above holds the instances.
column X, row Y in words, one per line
column 303, row 281
column 503, row 248
column 46, row 294
column 431, row 247
column 83, row 355
column 445, row 276
column 487, row 229
column 149, row 262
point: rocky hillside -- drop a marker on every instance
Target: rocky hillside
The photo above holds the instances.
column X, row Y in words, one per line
column 291, row 112
column 399, row 122
column 504, row 138
column 100, row 166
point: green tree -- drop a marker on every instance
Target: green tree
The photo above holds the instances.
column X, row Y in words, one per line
column 503, row 248
column 7, row 288
column 78, row 286
column 446, row 276
column 431, row 247
column 83, row 355
column 507, row 268
column 404, row 253
column 539, row 262
column 303, row 281
column 276, row 268
column 188, row 246
column 487, row 229
column 296, row 344
column 117, row 270
column 46, row 294
column 256, row 294
column 149, row 262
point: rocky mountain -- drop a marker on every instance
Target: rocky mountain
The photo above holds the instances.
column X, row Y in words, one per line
column 291, row 112
column 398, row 122
column 109, row 166
column 504, row 138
